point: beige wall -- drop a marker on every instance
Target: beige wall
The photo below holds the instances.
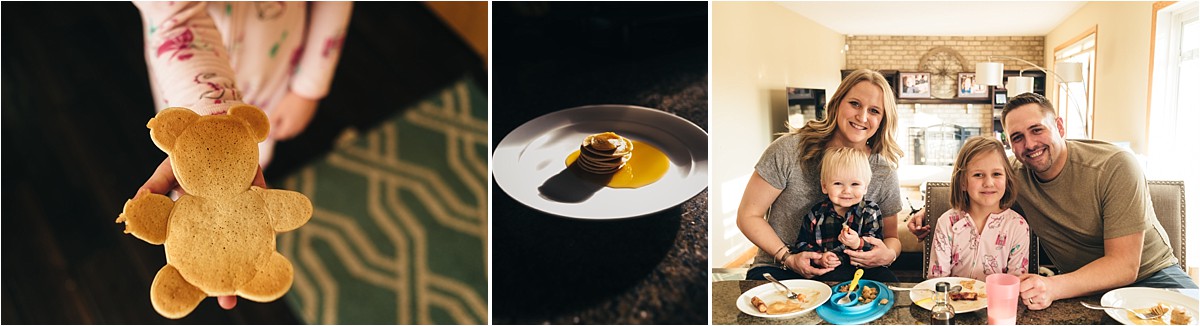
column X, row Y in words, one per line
column 1122, row 66
column 758, row 49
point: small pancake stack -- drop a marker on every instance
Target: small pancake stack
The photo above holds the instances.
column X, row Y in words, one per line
column 604, row 153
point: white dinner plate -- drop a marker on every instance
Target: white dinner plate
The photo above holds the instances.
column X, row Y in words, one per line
column 532, row 159
column 960, row 306
column 816, row 293
column 1141, row 298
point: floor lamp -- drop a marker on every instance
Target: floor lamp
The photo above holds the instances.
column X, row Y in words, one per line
column 992, row 73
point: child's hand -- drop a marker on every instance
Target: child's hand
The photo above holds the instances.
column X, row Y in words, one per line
column 830, row 259
column 850, row 238
column 291, row 115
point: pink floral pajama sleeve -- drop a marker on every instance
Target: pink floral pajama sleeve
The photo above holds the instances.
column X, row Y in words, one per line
column 326, row 31
column 186, row 57
column 207, row 56
column 958, row 250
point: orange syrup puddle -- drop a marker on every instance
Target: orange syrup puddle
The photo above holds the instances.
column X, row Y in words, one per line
column 647, row 165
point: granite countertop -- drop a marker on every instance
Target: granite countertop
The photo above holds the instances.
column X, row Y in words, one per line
column 1062, row 312
column 548, row 269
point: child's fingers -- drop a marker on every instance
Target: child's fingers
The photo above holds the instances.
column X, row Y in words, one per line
column 227, row 302
column 279, row 127
column 162, row 180
column 259, row 180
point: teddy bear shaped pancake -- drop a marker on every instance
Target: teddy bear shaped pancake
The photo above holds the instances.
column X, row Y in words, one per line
column 219, row 237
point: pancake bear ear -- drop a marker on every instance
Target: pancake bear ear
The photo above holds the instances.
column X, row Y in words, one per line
column 255, row 120
column 168, row 125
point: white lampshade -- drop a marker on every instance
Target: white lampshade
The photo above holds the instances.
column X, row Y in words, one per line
column 1070, row 72
column 989, row 73
column 1019, row 85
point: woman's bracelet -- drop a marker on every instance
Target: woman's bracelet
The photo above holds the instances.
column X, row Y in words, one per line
column 783, row 261
column 776, row 254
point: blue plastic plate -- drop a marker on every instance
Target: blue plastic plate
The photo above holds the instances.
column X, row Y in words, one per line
column 835, row 315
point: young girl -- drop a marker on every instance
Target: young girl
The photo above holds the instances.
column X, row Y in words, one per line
column 211, row 56
column 980, row 235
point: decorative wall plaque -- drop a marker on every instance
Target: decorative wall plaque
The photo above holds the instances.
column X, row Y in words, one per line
column 943, row 65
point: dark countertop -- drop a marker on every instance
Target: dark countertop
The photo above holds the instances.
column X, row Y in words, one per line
column 651, row 269
column 1062, row 312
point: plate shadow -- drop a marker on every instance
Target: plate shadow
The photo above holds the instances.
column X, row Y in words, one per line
column 572, row 185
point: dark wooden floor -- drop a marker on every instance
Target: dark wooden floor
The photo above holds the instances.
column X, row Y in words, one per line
column 75, row 102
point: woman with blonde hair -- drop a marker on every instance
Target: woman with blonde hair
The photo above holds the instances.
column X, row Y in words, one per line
column 786, row 182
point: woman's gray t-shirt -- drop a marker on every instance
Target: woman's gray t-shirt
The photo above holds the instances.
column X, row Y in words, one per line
column 782, row 168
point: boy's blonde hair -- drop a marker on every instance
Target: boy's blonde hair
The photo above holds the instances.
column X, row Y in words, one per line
column 845, row 159
column 975, row 147
column 815, row 134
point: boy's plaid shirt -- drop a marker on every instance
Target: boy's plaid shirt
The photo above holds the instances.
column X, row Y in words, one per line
column 821, row 227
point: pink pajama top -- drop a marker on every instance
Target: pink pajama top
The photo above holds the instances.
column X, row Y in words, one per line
column 207, row 56
column 958, row 250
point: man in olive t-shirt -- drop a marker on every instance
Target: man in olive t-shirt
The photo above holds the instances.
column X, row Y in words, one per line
column 1101, row 194
column 1089, row 204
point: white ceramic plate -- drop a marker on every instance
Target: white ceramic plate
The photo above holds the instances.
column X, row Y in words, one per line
column 532, row 157
column 816, row 294
column 1141, row 298
column 959, row 305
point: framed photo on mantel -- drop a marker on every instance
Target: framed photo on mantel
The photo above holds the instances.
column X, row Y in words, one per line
column 913, row 85
column 967, row 88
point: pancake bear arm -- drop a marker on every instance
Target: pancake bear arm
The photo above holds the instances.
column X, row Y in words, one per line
column 146, row 215
column 288, row 209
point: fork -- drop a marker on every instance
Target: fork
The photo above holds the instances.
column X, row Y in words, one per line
column 790, row 294
column 1139, row 315
column 956, row 288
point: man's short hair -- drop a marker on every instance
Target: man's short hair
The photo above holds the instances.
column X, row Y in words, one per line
column 1027, row 98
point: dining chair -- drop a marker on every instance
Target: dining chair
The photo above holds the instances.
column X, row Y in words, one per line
column 1170, row 207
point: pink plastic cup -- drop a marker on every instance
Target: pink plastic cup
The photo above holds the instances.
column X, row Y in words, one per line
column 1003, row 291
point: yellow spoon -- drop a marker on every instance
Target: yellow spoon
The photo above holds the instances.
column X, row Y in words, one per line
column 849, row 297
column 854, row 283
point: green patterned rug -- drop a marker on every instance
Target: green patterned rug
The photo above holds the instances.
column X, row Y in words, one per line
column 399, row 228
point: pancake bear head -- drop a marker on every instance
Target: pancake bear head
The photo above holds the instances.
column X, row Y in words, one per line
column 213, row 156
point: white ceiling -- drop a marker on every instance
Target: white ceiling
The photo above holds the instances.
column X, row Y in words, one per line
column 938, row 18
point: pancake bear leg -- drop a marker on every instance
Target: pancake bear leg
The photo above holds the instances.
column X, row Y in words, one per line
column 271, row 282
column 172, row 296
